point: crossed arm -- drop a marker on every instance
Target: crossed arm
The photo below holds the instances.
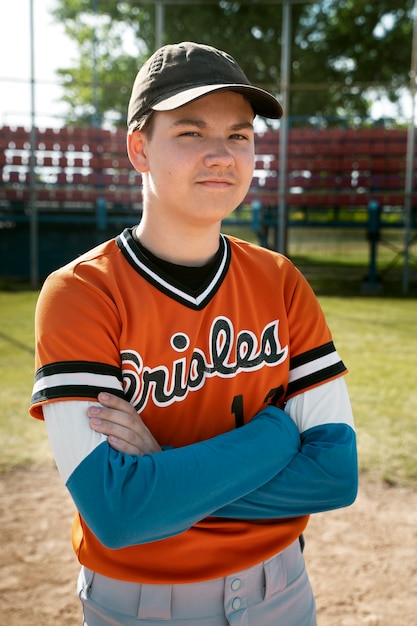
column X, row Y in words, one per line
column 321, row 476
column 278, row 465
column 132, row 499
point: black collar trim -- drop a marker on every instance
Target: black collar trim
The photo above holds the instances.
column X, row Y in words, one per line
column 194, row 299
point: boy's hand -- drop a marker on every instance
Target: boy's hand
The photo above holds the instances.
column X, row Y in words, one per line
column 124, row 428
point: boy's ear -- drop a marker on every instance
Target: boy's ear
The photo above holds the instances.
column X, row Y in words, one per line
column 136, row 151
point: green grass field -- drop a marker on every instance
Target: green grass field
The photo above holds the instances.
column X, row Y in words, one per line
column 376, row 337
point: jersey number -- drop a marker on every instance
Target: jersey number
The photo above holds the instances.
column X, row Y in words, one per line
column 237, row 410
column 237, row 405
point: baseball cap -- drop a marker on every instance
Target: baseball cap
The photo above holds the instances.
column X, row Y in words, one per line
column 177, row 74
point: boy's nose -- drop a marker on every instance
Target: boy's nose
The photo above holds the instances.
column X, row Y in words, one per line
column 219, row 154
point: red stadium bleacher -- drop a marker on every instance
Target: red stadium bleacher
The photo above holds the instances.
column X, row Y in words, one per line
column 74, row 168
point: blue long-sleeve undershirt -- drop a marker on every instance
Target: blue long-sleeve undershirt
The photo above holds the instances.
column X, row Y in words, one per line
column 127, row 500
column 321, row 477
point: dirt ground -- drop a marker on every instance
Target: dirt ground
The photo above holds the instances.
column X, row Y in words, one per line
column 362, row 560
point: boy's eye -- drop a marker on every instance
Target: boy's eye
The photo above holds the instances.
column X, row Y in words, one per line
column 238, row 136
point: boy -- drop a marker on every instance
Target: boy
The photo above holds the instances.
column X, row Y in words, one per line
column 222, row 419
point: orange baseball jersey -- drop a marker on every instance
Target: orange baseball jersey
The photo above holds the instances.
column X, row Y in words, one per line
column 197, row 366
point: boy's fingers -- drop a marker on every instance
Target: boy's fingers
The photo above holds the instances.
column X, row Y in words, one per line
column 120, row 438
column 122, row 446
column 114, row 402
column 132, row 436
column 124, row 416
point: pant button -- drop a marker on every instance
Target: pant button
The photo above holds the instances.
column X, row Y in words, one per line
column 236, row 604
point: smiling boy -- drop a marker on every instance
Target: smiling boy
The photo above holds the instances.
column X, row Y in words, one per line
column 223, row 420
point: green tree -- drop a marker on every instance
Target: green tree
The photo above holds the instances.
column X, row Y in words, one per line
column 342, row 51
column 354, row 47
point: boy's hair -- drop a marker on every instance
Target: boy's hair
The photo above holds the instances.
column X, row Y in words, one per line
column 144, row 124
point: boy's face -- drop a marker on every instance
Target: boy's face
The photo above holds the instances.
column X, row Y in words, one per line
column 197, row 161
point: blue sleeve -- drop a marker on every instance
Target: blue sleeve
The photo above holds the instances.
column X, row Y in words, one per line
column 321, row 477
column 127, row 500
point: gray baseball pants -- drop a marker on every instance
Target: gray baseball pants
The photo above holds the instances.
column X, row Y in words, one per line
column 274, row 593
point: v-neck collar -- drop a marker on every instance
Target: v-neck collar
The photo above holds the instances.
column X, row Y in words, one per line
column 195, row 299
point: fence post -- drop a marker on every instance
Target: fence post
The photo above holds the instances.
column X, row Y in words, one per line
column 101, row 213
column 372, row 283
